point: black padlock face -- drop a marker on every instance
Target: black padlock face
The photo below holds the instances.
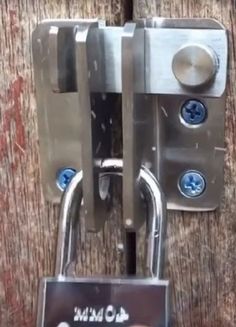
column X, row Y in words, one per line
column 97, row 302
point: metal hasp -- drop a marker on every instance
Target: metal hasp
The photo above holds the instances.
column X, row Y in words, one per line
column 171, row 77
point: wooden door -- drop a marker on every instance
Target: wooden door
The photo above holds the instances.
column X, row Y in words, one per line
column 201, row 258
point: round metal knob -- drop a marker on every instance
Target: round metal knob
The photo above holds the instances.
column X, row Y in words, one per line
column 194, row 65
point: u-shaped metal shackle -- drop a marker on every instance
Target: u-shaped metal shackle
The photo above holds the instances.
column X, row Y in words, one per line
column 156, row 224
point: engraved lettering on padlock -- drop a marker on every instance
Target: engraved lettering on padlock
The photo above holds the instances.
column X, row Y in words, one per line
column 71, row 302
column 104, row 314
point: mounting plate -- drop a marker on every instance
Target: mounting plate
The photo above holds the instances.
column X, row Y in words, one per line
column 81, row 66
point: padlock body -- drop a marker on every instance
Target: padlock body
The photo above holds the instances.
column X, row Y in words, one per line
column 94, row 302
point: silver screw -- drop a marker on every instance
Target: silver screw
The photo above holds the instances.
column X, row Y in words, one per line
column 64, row 177
column 128, row 222
column 192, row 184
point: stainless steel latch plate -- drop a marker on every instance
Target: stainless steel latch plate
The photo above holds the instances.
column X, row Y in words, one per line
column 171, row 74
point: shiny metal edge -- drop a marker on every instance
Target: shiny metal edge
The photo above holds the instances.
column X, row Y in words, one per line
column 193, row 23
column 83, row 78
column 67, row 22
column 168, row 306
column 112, row 280
column 41, row 302
column 53, row 57
column 131, row 160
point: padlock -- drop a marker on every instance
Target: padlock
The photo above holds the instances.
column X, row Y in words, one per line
column 128, row 301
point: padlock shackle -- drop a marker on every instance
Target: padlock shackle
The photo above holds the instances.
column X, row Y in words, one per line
column 156, row 224
column 68, row 221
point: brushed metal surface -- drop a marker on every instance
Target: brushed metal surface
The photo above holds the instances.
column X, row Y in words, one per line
column 161, row 46
column 193, row 23
column 132, row 120
column 84, row 38
column 194, row 65
column 130, row 155
column 184, row 148
column 59, row 115
column 165, row 145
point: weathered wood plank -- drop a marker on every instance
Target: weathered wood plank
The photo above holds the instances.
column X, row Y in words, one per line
column 201, row 247
column 28, row 225
column 200, row 259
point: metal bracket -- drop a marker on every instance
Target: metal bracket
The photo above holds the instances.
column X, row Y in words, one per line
column 171, row 74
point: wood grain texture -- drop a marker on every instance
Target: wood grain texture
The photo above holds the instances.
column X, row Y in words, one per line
column 201, row 255
column 28, row 225
column 201, row 247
